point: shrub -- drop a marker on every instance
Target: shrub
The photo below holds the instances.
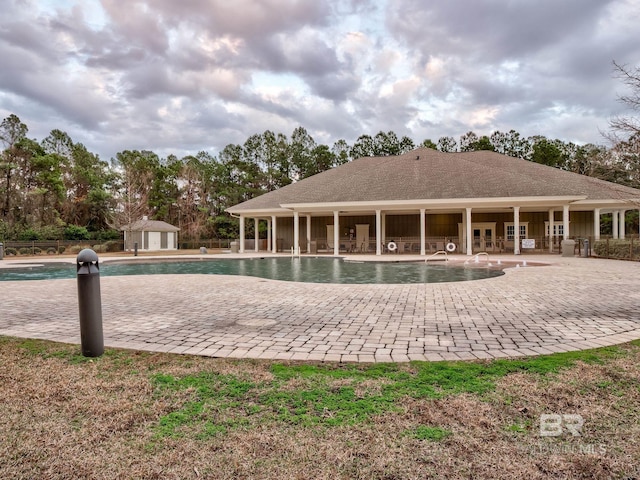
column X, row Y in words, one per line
column 10, row 251
column 51, row 250
column 61, row 249
column 50, row 232
column 5, row 230
column 621, row 249
column 101, row 248
column 75, row 232
column 104, row 235
column 114, row 246
column 75, row 249
column 37, row 250
column 25, row 251
column 28, row 235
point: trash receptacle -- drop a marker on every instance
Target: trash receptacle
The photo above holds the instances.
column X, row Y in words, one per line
column 1, row 251
column 568, row 247
column 585, row 247
column 234, row 247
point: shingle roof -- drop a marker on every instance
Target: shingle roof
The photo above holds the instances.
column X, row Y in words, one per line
column 150, row 226
column 426, row 174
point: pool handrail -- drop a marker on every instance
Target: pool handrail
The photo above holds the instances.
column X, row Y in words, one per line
column 434, row 255
column 476, row 258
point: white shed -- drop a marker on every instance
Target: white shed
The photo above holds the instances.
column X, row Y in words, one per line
column 150, row 235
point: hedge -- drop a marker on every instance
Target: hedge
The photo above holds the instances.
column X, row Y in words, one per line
column 627, row 249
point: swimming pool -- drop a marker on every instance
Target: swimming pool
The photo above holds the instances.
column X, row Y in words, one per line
column 312, row 270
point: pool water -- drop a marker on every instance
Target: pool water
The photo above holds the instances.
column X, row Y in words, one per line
column 312, row 270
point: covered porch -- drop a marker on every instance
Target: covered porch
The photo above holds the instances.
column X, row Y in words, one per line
column 511, row 226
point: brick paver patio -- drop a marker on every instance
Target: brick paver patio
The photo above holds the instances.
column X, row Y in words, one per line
column 571, row 304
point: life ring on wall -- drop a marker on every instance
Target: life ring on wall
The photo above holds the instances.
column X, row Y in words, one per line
column 451, row 247
column 392, row 247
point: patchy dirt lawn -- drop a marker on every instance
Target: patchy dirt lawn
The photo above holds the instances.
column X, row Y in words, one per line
column 143, row 415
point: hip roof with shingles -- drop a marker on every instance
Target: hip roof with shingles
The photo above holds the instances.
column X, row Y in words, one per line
column 150, row 226
column 426, row 174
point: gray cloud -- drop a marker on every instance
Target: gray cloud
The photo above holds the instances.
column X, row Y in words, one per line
column 195, row 75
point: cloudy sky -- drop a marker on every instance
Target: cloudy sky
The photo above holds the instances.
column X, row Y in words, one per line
column 190, row 75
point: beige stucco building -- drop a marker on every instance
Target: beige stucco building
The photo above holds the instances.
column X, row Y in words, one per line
column 426, row 200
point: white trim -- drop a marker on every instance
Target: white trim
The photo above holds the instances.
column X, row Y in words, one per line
column 423, row 232
column 444, row 202
column 274, row 233
column 524, row 232
column 336, row 233
column 469, row 246
column 483, row 227
column 242, row 233
column 296, row 232
column 256, row 247
column 379, row 238
column 552, row 216
column 558, row 229
column 574, row 203
column 516, row 231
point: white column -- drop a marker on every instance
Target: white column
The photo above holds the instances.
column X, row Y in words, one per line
column 241, row 233
column 614, row 227
column 336, row 233
column 622, row 223
column 469, row 231
column 551, row 222
column 379, row 239
column 268, row 234
column 296, row 232
column 383, row 227
column 565, row 222
column 516, row 230
column 257, row 234
column 596, row 224
column 308, row 233
column 274, row 235
column 423, row 231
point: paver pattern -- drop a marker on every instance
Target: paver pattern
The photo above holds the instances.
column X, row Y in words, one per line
column 571, row 304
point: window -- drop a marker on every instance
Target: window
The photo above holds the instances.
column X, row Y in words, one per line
column 558, row 229
column 510, row 230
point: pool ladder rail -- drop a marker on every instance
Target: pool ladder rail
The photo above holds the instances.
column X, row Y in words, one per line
column 476, row 259
column 438, row 256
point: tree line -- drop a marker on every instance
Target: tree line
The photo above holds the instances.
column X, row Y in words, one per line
column 56, row 188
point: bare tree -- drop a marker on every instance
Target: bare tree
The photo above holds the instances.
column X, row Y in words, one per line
column 627, row 125
column 131, row 192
